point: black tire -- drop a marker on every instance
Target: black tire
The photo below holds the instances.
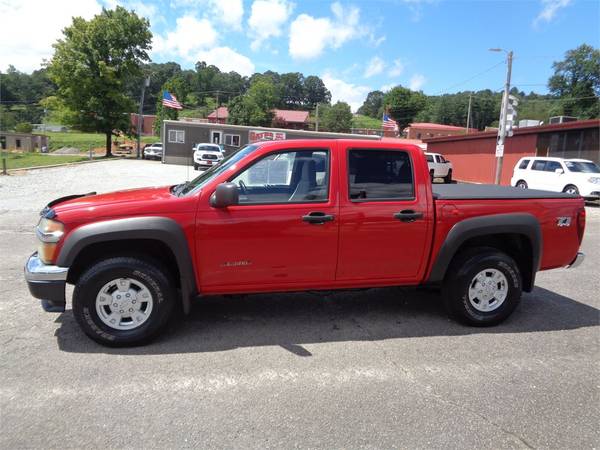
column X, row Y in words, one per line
column 151, row 274
column 571, row 189
column 431, row 175
column 461, row 276
column 522, row 184
column 196, row 166
column 448, row 178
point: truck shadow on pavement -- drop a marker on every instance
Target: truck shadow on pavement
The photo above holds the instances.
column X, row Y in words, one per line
column 291, row 320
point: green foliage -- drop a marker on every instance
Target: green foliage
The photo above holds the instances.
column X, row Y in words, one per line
column 255, row 106
column 403, row 105
column 176, row 86
column 23, row 127
column 373, row 105
column 576, row 79
column 361, row 121
column 337, row 118
column 92, row 65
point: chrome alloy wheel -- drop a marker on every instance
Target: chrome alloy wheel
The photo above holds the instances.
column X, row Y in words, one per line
column 488, row 290
column 124, row 304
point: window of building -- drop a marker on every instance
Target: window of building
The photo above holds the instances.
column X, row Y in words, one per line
column 18, row 143
column 299, row 176
column 538, row 165
column 380, row 175
column 418, row 135
column 177, row 136
column 232, row 140
column 524, row 164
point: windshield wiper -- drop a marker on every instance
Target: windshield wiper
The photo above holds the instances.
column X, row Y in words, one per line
column 179, row 188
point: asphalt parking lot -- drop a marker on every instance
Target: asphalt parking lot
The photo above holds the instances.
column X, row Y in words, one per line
column 383, row 368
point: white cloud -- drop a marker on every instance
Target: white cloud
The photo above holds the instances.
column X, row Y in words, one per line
column 30, row 27
column 374, row 67
column 228, row 12
column 227, row 59
column 416, row 82
column 340, row 90
column 189, row 37
column 397, row 68
column 310, row 36
column 549, row 10
column 147, row 10
column 267, row 18
column 416, row 7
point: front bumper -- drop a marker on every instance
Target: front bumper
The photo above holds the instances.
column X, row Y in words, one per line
column 47, row 283
column 577, row 261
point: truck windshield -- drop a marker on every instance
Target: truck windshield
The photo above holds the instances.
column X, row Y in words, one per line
column 206, row 176
column 582, row 166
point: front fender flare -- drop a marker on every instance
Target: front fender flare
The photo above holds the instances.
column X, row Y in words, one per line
column 162, row 229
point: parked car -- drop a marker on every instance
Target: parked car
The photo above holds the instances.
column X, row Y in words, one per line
column 153, row 151
column 439, row 167
column 207, row 155
column 573, row 176
column 295, row 216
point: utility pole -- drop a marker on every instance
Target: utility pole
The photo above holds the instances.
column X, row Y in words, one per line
column 140, row 117
column 317, row 119
column 469, row 113
column 503, row 117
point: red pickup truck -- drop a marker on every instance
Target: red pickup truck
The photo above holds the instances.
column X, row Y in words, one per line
column 293, row 216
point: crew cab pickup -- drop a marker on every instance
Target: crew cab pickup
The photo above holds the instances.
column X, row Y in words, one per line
column 292, row 216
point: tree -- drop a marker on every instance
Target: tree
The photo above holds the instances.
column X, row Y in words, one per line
column 256, row 105
column 92, row 65
column 23, row 127
column 337, row 118
column 315, row 92
column 293, row 90
column 576, row 81
column 372, row 105
column 403, row 105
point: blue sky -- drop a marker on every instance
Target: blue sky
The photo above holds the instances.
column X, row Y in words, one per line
column 355, row 46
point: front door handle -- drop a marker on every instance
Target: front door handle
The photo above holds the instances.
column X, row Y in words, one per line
column 317, row 217
column 408, row 215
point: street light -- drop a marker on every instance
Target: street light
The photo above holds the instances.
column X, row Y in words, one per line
column 503, row 114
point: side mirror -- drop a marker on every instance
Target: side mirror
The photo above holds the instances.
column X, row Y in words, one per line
column 226, row 194
column 559, row 171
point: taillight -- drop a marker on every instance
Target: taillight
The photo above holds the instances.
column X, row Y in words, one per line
column 580, row 224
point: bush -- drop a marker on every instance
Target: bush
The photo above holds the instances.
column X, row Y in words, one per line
column 23, row 127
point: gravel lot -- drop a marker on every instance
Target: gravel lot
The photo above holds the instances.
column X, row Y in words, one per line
column 382, row 368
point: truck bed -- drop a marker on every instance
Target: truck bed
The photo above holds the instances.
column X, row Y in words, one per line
column 491, row 191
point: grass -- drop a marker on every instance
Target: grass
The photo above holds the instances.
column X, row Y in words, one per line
column 360, row 121
column 23, row 160
column 85, row 141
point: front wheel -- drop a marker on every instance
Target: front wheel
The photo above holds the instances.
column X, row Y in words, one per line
column 521, row 184
column 123, row 301
column 482, row 287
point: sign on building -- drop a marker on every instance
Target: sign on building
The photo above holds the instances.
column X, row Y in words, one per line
column 261, row 135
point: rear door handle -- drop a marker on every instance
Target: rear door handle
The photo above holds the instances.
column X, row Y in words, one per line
column 317, row 217
column 408, row 215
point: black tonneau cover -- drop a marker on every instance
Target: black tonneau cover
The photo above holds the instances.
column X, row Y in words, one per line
column 491, row 191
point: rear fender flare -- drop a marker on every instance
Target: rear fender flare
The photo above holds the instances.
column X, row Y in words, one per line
column 515, row 223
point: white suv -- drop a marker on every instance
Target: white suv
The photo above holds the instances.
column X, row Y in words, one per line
column 439, row 167
column 207, row 155
column 574, row 176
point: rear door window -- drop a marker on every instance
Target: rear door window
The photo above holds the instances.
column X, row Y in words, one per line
column 429, row 158
column 551, row 166
column 538, row 165
column 380, row 175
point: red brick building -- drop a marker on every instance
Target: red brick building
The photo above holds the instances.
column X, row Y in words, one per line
column 147, row 124
column 219, row 115
column 425, row 130
column 474, row 155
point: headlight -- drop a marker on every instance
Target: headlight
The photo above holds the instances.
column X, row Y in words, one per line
column 595, row 180
column 49, row 233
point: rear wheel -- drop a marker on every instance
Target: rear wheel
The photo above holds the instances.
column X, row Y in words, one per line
column 123, row 301
column 522, row 184
column 571, row 189
column 482, row 287
column 431, row 175
column 448, row 178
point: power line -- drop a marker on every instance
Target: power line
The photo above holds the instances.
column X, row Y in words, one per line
column 471, row 78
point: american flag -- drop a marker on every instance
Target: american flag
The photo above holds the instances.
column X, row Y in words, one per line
column 170, row 101
column 388, row 123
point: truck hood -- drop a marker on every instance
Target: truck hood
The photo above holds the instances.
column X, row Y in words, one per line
column 91, row 201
